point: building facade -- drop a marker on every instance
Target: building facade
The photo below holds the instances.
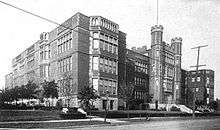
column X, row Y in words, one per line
column 9, row 81
column 165, row 67
column 84, row 49
column 203, row 83
column 136, row 76
column 91, row 50
column 137, row 68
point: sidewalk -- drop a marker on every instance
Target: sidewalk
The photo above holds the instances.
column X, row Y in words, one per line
column 112, row 121
column 93, row 122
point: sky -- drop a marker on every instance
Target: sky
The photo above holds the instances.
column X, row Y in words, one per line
column 196, row 21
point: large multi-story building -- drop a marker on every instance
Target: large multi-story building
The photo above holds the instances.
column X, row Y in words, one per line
column 86, row 48
column 165, row 67
column 92, row 51
column 203, row 83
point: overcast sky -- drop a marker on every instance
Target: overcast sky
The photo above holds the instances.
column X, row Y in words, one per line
column 196, row 21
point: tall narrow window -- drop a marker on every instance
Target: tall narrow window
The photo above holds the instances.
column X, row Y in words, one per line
column 95, row 84
column 95, row 62
column 101, row 64
column 101, row 44
column 106, row 46
column 95, row 44
column 110, row 48
column 198, row 79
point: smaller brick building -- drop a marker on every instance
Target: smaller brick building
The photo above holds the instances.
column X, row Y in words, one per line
column 136, row 70
column 203, row 84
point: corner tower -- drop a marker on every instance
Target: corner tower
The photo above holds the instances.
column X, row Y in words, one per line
column 156, row 66
column 176, row 44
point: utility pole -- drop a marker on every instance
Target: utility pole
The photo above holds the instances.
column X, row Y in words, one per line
column 157, row 11
column 197, row 68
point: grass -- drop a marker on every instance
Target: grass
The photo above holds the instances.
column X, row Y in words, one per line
column 28, row 115
column 50, row 124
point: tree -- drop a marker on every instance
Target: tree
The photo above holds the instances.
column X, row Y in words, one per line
column 213, row 105
column 88, row 95
column 126, row 92
column 30, row 90
column 15, row 93
column 67, row 86
column 50, row 89
column 9, row 95
column 5, row 96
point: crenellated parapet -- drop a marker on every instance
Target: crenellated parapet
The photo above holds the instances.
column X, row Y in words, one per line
column 176, row 39
column 156, row 28
column 141, row 50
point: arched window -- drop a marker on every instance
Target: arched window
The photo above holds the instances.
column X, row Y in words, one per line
column 96, row 21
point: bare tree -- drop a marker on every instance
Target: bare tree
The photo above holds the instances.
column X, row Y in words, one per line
column 126, row 92
column 67, row 86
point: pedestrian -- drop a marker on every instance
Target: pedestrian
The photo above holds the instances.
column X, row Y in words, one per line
column 147, row 117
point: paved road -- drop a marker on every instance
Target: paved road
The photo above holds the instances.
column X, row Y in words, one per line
column 198, row 124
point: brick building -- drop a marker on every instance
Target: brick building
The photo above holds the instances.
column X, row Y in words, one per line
column 92, row 50
column 136, row 73
column 203, row 84
column 86, row 48
column 165, row 67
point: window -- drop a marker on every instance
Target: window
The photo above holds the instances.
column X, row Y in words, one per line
column 65, row 65
column 102, row 36
column 46, row 55
column 207, row 80
column 110, row 66
column 110, row 48
column 106, row 65
column 65, row 42
column 193, row 79
column 95, row 84
column 101, row 82
column 95, row 62
column 49, row 55
column 21, row 67
column 111, row 39
column 101, row 64
column 197, row 89
column 198, row 79
column 96, row 35
column 106, row 84
column 115, row 41
column 70, row 43
column 41, row 55
column 106, row 46
column 101, row 44
column 207, row 90
column 95, row 44
column 44, row 71
column 106, row 37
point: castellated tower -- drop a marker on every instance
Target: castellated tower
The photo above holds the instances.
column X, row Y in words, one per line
column 156, row 67
column 176, row 44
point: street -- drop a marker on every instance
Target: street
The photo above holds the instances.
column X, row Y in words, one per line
column 198, row 124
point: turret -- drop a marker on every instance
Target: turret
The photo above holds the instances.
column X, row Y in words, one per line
column 176, row 43
column 156, row 34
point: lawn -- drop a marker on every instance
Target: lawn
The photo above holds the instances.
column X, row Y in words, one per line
column 50, row 124
column 28, row 115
